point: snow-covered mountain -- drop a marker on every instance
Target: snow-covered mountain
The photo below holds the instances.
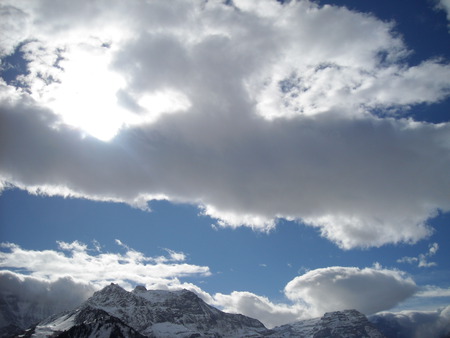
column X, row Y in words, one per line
column 115, row 312
column 147, row 313
column 347, row 323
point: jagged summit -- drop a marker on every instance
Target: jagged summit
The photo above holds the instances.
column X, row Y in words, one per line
column 140, row 288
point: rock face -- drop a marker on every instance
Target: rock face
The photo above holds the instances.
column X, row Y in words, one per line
column 114, row 312
column 348, row 323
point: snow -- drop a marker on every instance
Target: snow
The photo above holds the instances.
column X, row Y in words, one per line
column 155, row 296
column 347, row 323
column 62, row 323
column 167, row 329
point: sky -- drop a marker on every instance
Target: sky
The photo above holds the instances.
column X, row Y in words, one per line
column 280, row 159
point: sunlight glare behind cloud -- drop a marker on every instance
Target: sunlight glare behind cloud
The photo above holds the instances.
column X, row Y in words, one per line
column 160, row 102
column 84, row 95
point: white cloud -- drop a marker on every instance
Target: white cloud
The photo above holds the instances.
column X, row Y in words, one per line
column 445, row 4
column 409, row 260
column 368, row 290
column 433, row 291
column 74, row 260
column 269, row 313
column 15, row 21
column 433, row 248
column 173, row 257
column 255, row 113
column 422, row 259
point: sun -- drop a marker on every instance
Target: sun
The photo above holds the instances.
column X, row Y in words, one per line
column 85, row 95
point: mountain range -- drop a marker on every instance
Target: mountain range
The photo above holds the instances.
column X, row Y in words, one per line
column 115, row 312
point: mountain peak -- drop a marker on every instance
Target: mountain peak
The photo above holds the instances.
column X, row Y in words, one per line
column 140, row 288
column 111, row 288
column 151, row 313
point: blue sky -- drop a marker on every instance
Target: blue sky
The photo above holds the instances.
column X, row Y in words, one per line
column 250, row 152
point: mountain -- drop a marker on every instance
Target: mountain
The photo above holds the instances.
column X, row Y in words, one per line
column 347, row 323
column 114, row 312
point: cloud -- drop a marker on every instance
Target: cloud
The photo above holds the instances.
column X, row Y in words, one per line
column 444, row 5
column 253, row 112
column 50, row 281
column 415, row 324
column 74, row 260
column 433, row 291
column 368, row 290
column 38, row 297
column 260, row 307
column 422, row 259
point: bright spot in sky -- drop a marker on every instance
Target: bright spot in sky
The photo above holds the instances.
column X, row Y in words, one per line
column 85, row 95
column 160, row 102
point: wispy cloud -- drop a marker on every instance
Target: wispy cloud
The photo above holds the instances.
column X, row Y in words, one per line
column 433, row 291
column 422, row 259
column 445, row 5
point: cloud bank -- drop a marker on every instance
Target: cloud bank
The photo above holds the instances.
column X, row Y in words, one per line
column 252, row 111
column 30, row 299
column 415, row 324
